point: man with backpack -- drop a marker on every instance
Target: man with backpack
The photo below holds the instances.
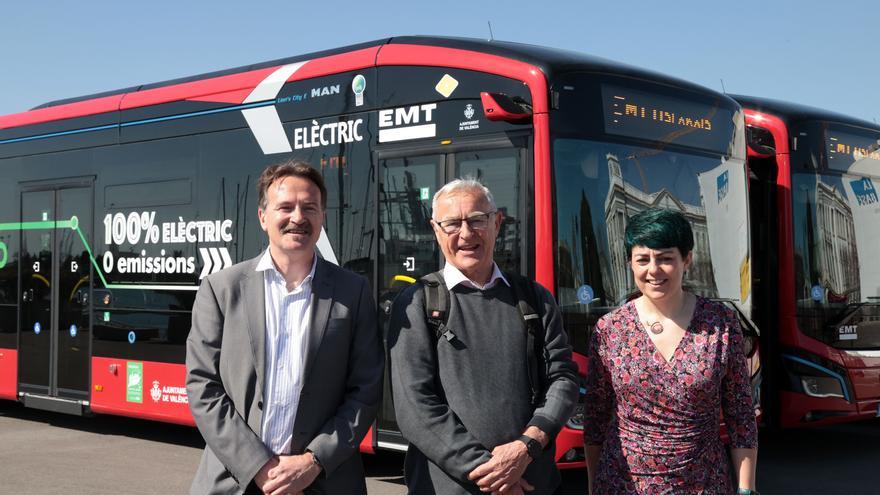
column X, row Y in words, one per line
column 481, row 368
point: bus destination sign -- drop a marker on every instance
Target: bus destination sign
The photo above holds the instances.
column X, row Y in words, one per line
column 634, row 113
column 847, row 148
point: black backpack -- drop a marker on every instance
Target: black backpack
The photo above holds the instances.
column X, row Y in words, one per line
column 437, row 315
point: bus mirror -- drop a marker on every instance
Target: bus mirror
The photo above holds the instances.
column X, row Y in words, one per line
column 500, row 107
column 761, row 142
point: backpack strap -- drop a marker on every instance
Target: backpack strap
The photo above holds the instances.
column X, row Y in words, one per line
column 437, row 314
column 436, row 303
column 526, row 301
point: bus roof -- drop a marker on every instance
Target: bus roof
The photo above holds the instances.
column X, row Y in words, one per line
column 794, row 112
column 551, row 61
column 209, row 75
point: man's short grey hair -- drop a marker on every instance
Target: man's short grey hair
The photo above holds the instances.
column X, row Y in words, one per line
column 465, row 184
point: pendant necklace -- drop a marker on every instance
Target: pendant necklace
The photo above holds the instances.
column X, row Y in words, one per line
column 656, row 327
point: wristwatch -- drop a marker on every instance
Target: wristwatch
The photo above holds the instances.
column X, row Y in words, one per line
column 533, row 447
column 746, row 491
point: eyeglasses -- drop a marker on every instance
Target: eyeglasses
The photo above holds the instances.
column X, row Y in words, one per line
column 475, row 222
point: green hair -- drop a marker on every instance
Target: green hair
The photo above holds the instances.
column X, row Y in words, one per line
column 657, row 228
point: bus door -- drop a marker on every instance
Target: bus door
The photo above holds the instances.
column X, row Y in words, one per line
column 55, row 283
column 408, row 179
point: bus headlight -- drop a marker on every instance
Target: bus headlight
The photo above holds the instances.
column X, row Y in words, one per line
column 816, row 377
column 821, row 386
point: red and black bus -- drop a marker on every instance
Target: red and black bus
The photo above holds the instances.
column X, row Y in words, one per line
column 114, row 206
column 816, row 218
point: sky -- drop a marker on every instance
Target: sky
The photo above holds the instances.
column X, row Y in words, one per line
column 822, row 54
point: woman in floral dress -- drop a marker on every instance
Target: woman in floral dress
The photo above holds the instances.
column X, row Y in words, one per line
column 663, row 367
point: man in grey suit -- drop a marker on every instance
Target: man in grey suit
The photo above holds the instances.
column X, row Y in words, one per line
column 284, row 359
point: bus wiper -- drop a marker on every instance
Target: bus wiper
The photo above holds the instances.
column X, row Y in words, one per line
column 852, row 308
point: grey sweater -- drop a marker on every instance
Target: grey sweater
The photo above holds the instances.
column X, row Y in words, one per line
column 457, row 399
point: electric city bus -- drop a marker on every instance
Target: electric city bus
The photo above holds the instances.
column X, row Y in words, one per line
column 816, row 217
column 114, row 206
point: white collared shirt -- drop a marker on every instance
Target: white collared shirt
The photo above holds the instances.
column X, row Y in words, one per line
column 287, row 341
column 453, row 277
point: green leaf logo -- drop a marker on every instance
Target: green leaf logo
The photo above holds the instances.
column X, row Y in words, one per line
column 359, row 84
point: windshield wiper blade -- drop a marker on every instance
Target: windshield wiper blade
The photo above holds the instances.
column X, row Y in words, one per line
column 851, row 309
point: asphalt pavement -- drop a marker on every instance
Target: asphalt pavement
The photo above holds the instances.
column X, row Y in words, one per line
column 44, row 453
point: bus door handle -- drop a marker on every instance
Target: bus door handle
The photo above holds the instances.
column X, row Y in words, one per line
column 82, row 297
column 28, row 295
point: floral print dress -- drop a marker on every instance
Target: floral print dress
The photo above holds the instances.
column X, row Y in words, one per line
column 658, row 421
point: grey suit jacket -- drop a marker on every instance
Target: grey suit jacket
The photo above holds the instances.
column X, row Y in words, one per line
column 225, row 360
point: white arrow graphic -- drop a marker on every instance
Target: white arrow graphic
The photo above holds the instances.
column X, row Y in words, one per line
column 227, row 261
column 264, row 121
column 325, row 249
column 215, row 257
column 214, row 260
column 206, row 263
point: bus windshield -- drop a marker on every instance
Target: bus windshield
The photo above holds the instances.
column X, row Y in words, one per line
column 690, row 159
column 836, row 214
